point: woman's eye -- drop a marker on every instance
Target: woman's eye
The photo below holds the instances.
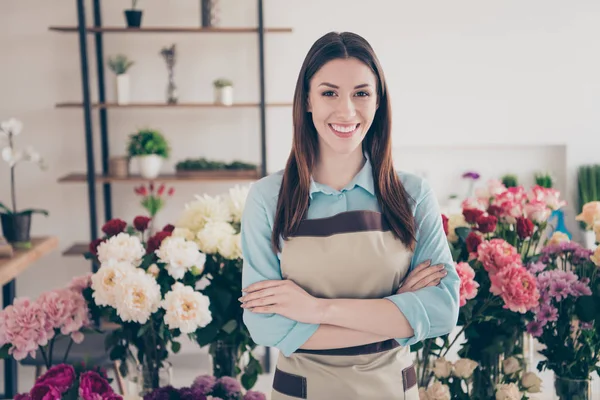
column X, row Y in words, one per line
column 328, row 93
column 363, row 94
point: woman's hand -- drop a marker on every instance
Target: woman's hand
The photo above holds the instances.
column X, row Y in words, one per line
column 424, row 275
column 285, row 298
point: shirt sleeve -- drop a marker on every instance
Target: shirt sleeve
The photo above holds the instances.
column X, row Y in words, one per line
column 261, row 263
column 431, row 311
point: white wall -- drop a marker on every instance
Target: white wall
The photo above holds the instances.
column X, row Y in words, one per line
column 472, row 83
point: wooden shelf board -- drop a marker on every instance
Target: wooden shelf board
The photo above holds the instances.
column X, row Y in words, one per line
column 209, row 177
column 165, row 105
column 168, row 29
column 77, row 249
column 10, row 267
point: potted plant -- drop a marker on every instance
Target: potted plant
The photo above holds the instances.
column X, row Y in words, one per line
column 119, row 64
column 203, row 167
column 16, row 225
column 223, row 91
column 588, row 184
column 149, row 147
column 133, row 16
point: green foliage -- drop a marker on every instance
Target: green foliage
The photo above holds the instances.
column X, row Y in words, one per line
column 119, row 64
column 203, row 164
column 588, row 182
column 133, row 4
column 510, row 180
column 148, row 141
column 222, row 82
column 544, row 180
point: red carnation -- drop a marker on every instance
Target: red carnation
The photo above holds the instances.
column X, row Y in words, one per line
column 141, row 223
column 171, row 191
column 471, row 214
column 496, row 211
column 142, row 191
column 445, row 223
column 486, row 223
column 473, row 241
column 114, row 227
column 155, row 241
column 168, row 228
column 524, row 227
column 161, row 189
column 93, row 247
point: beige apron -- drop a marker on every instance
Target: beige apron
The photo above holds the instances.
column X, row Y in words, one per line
column 350, row 255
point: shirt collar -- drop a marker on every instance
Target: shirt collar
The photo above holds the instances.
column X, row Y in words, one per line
column 364, row 179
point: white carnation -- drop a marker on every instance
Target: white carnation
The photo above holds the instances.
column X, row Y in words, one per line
column 231, row 247
column 137, row 297
column 442, row 368
column 464, row 367
column 508, row 391
column 184, row 233
column 209, row 239
column 106, row 280
column 438, row 391
column 531, row 382
column 180, row 256
column 202, row 211
column 237, row 200
column 186, row 309
column 122, row 247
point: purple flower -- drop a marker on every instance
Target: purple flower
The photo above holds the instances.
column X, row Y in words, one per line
column 227, row 388
column 190, row 393
column 535, row 328
column 22, row 396
column 204, row 384
column 471, row 175
column 60, row 376
column 547, row 313
column 252, row 395
column 536, row 267
column 92, row 386
column 581, row 288
column 163, row 393
column 560, row 289
column 44, row 391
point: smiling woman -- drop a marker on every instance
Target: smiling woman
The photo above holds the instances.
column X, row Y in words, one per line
column 346, row 263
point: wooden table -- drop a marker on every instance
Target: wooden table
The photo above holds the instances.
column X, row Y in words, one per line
column 10, row 268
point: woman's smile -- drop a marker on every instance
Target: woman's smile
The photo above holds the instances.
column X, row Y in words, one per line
column 344, row 130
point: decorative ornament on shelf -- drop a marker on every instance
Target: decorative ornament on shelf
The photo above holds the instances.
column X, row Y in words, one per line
column 133, row 17
column 152, row 201
column 16, row 224
column 149, row 147
column 119, row 64
column 223, row 91
column 169, row 54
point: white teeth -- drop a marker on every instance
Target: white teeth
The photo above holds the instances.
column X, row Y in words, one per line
column 344, row 129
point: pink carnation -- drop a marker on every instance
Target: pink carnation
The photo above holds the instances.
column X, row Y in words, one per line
column 59, row 376
column 550, row 197
column 496, row 254
column 66, row 310
column 537, row 211
column 23, row 326
column 79, row 283
column 44, row 391
column 517, row 287
column 468, row 286
column 92, row 386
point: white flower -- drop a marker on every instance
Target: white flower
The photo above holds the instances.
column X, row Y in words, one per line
column 137, row 297
column 122, row 247
column 203, row 282
column 153, row 270
column 184, row 233
column 106, row 280
column 12, row 157
column 531, row 382
column 180, row 256
column 210, row 238
column 442, row 368
column 237, row 200
column 231, row 247
column 186, row 309
column 423, row 394
column 455, row 221
column 205, row 209
column 510, row 365
column 11, row 127
column 464, row 367
column 438, row 391
column 508, row 391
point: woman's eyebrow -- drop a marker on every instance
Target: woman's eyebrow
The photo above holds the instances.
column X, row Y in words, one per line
column 331, row 85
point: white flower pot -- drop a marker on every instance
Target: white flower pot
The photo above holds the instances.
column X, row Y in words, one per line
column 122, row 89
column 589, row 240
column 149, row 165
column 224, row 95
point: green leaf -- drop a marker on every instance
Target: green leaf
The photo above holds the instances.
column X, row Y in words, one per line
column 8, row 210
column 223, row 298
column 207, row 334
column 34, row 211
column 175, row 346
column 585, row 308
column 4, row 351
column 462, row 232
column 123, row 369
column 118, row 353
column 230, row 326
column 144, row 329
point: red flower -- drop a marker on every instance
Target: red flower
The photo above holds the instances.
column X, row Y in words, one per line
column 151, row 187
column 496, row 211
column 471, row 214
column 161, row 189
column 168, row 228
column 473, row 241
column 155, row 241
column 524, row 227
column 141, row 223
column 171, row 191
column 114, row 227
column 93, row 247
column 486, row 223
column 141, row 190
column 445, row 223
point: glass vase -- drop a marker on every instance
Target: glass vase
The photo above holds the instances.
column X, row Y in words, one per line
column 487, row 376
column 572, row 389
column 224, row 359
column 150, row 377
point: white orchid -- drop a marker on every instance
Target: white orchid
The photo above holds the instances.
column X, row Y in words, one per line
column 12, row 127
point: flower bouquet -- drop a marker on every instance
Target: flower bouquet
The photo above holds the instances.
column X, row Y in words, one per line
column 214, row 224
column 567, row 319
column 69, row 382
column 146, row 286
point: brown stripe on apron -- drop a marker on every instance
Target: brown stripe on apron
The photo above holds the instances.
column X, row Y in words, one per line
column 349, row 255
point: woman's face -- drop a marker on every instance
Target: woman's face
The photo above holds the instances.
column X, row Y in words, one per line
column 342, row 99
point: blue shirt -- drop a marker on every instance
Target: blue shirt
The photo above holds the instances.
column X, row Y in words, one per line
column 431, row 312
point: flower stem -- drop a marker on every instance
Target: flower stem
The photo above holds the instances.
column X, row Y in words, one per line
column 67, row 351
column 50, row 352
column 44, row 357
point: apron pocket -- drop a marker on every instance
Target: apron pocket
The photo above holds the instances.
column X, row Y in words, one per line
column 409, row 378
column 290, row 384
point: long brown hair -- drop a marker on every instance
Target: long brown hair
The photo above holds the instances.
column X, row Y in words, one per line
column 293, row 201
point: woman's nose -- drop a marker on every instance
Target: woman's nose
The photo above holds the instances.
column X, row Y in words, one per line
column 346, row 107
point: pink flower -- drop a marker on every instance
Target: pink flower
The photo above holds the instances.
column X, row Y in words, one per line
column 66, row 310
column 468, row 286
column 549, row 196
column 79, row 283
column 517, row 287
column 23, row 326
column 22, row 396
column 535, row 328
column 204, row 383
column 546, row 313
column 59, row 376
column 493, row 189
column 43, row 391
column 473, row 203
column 252, row 395
column 497, row 254
column 93, row 387
column 537, row 211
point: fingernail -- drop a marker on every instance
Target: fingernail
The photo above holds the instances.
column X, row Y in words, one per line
column 241, row 299
column 428, row 262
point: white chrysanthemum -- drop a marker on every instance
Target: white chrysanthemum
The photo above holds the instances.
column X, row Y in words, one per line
column 205, row 209
column 231, row 247
column 122, row 247
column 186, row 309
column 237, row 200
column 184, row 233
column 209, row 239
column 180, row 256
column 106, row 279
column 137, row 297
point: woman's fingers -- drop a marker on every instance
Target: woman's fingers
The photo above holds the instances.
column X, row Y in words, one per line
column 429, row 279
column 416, row 276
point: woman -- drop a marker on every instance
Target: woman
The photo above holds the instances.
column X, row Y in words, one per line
column 338, row 248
